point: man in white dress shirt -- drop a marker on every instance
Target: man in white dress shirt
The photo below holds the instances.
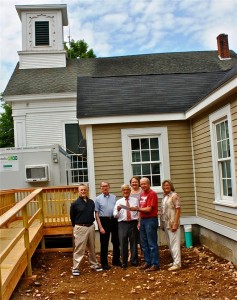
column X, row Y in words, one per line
column 127, row 225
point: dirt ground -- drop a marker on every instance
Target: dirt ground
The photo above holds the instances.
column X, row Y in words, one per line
column 203, row 276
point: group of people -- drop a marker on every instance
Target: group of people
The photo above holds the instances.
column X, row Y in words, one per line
column 128, row 221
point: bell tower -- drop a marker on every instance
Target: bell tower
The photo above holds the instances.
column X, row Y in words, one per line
column 42, row 35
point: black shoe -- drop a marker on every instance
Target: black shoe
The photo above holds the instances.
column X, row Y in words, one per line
column 106, row 268
column 124, row 266
column 135, row 264
column 117, row 264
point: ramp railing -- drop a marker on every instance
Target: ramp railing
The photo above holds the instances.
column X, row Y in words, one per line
column 26, row 215
column 19, row 244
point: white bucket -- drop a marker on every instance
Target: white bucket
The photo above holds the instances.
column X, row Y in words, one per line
column 188, row 236
column 187, row 228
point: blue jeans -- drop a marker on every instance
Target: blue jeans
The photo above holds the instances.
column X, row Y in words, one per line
column 148, row 232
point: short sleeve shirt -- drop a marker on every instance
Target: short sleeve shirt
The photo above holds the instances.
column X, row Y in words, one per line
column 149, row 199
column 104, row 205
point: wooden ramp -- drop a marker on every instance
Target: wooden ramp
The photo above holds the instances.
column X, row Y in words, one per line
column 19, row 239
column 16, row 262
column 26, row 216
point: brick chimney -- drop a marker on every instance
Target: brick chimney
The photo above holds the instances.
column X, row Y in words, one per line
column 223, row 46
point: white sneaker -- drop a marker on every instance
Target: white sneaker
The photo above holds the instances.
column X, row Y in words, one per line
column 97, row 269
column 75, row 272
column 174, row 268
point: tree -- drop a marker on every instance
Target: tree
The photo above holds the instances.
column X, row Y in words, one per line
column 79, row 49
column 6, row 127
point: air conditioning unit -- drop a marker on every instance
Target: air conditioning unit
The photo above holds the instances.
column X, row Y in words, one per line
column 35, row 173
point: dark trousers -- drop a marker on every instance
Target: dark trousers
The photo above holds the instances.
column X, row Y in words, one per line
column 110, row 226
column 128, row 233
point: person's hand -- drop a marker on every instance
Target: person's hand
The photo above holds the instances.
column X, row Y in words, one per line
column 174, row 227
column 134, row 208
column 118, row 208
column 138, row 226
column 102, row 231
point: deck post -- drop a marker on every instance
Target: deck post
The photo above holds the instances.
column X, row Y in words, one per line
column 27, row 241
column 1, row 291
column 41, row 205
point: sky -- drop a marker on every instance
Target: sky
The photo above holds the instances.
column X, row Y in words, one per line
column 128, row 27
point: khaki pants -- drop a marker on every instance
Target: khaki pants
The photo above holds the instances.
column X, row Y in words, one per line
column 174, row 240
column 84, row 237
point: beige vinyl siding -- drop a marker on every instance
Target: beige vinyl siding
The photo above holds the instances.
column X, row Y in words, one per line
column 109, row 166
column 181, row 167
column 204, row 170
column 203, row 166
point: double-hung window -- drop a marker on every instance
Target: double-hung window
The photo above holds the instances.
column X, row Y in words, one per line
column 146, row 158
column 224, row 157
column 145, row 154
column 223, row 160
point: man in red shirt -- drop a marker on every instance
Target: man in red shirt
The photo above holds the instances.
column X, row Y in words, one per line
column 148, row 208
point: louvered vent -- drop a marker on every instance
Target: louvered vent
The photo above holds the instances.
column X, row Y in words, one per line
column 42, row 33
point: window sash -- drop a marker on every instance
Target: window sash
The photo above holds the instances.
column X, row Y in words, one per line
column 224, row 158
column 145, row 162
column 129, row 134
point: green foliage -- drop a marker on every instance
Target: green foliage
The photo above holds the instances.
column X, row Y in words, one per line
column 6, row 127
column 79, row 49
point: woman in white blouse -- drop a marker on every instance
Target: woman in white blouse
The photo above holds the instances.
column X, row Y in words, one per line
column 170, row 216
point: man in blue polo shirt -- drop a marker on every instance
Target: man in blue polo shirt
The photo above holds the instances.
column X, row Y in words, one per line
column 108, row 226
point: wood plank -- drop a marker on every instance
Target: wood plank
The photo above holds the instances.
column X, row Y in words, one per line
column 11, row 281
column 65, row 230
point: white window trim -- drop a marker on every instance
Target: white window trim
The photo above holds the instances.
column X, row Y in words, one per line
column 162, row 132
column 228, row 205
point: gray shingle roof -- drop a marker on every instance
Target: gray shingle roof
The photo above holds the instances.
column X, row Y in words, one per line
column 129, row 85
column 146, row 94
column 58, row 80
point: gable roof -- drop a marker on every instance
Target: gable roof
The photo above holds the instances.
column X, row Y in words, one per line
column 129, row 85
column 175, row 83
column 59, row 80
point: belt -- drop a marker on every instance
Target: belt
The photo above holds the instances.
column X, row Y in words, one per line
column 109, row 218
column 85, row 225
column 131, row 221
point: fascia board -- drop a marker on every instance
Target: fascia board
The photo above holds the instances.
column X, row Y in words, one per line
column 132, row 119
column 37, row 97
column 212, row 98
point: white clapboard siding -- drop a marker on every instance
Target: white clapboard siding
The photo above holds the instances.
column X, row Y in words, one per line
column 47, row 128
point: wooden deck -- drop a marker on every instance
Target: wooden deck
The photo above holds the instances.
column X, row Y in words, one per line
column 23, row 225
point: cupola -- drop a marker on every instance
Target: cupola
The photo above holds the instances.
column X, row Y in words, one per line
column 42, row 35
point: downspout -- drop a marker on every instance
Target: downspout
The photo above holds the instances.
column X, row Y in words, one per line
column 194, row 171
